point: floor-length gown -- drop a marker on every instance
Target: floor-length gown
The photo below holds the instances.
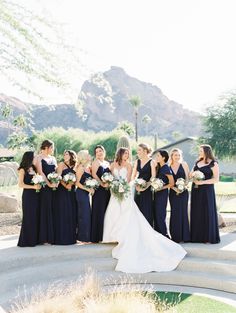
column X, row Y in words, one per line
column 179, row 223
column 140, row 248
column 47, row 195
column 99, row 204
column 84, row 211
column 204, row 221
column 160, row 201
column 30, row 220
column 64, row 213
column 144, row 199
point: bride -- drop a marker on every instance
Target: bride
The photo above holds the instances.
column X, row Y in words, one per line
column 140, row 248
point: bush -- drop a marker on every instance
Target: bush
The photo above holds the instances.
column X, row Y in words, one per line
column 225, row 178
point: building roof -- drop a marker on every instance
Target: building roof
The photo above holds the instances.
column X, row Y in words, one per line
column 176, row 143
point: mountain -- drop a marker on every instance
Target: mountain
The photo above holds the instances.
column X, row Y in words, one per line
column 106, row 102
column 106, row 96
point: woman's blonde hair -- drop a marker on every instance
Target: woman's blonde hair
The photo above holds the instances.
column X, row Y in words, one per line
column 82, row 157
column 146, row 147
column 172, row 153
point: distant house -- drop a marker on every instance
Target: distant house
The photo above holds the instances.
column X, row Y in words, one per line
column 189, row 146
column 7, row 154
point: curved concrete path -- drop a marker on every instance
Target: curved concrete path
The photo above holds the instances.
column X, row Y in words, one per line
column 212, row 267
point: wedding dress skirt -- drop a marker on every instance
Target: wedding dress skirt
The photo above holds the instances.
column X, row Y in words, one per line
column 140, row 248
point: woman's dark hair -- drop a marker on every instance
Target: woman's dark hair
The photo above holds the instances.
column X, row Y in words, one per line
column 208, row 153
column 46, row 144
column 27, row 161
column 73, row 157
column 99, row 147
column 164, row 154
column 119, row 154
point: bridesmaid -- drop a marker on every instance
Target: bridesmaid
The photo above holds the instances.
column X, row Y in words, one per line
column 179, row 224
column 101, row 196
column 144, row 167
column 83, row 171
column 45, row 164
column 161, row 196
column 204, row 221
column 65, row 203
column 30, row 202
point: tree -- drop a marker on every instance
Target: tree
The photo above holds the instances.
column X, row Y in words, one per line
column 146, row 120
column 127, row 127
column 135, row 101
column 34, row 53
column 7, row 113
column 220, row 127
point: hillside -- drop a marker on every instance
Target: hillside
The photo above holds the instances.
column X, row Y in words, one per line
column 106, row 102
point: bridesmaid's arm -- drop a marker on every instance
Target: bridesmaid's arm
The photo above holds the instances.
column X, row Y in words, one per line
column 79, row 173
column 39, row 169
column 129, row 168
column 59, row 172
column 21, row 183
column 153, row 169
column 95, row 166
column 171, row 182
column 213, row 180
column 186, row 170
column 135, row 172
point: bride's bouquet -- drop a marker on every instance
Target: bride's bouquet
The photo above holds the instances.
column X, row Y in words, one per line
column 120, row 188
column 107, row 178
column 91, row 183
column 180, row 185
column 54, row 178
column 141, row 183
column 69, row 178
column 197, row 176
column 38, row 180
column 156, row 184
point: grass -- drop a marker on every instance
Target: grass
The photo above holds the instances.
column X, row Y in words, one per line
column 182, row 303
column 87, row 296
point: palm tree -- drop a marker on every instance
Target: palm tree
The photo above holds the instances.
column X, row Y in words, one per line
column 6, row 113
column 146, row 120
column 135, row 101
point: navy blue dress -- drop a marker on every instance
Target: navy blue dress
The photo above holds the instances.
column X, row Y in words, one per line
column 100, row 201
column 144, row 198
column 47, row 195
column 84, row 211
column 64, row 212
column 179, row 224
column 160, row 201
column 29, row 235
column 204, row 221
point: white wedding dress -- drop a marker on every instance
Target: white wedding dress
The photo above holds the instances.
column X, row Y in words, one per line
column 140, row 248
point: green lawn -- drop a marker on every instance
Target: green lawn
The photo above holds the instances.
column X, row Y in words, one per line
column 187, row 303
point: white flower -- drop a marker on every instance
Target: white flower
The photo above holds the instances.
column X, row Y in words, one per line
column 107, row 177
column 121, row 188
column 69, row 178
column 157, row 184
column 198, row 175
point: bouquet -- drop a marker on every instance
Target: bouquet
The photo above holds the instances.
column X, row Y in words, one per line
column 120, row 188
column 197, row 176
column 54, row 178
column 140, row 182
column 69, row 178
column 38, row 180
column 180, row 185
column 91, row 183
column 156, row 184
column 107, row 178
